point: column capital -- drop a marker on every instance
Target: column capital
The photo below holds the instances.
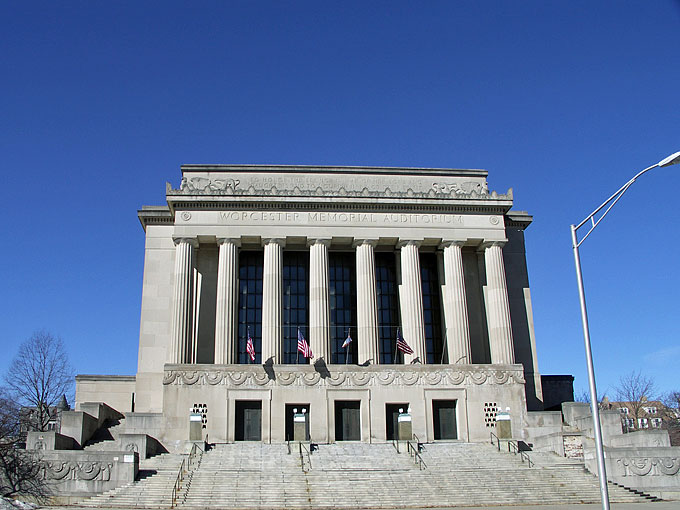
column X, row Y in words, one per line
column 233, row 240
column 409, row 242
column 273, row 240
column 489, row 244
column 190, row 240
column 369, row 242
column 324, row 241
column 446, row 244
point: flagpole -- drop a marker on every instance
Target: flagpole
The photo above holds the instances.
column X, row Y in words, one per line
column 441, row 361
column 396, row 350
column 347, row 350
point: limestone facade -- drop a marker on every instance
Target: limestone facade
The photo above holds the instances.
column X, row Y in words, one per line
column 333, row 252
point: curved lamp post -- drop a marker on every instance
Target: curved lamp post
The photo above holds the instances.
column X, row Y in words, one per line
column 594, row 222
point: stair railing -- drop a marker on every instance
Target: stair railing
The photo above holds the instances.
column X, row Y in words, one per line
column 192, row 457
column 186, row 466
column 418, row 442
column 417, row 458
column 304, row 452
column 513, row 447
column 178, row 484
column 498, row 441
column 395, row 443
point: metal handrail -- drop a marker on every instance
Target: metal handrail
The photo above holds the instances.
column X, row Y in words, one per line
column 395, row 443
column 498, row 441
column 417, row 458
column 304, row 451
column 513, row 447
column 185, row 467
column 178, row 485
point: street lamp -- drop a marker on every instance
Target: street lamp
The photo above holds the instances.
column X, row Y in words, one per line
column 609, row 203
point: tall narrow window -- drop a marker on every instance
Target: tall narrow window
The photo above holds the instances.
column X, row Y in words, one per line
column 249, row 304
column 343, row 304
column 431, row 307
column 388, row 305
column 295, row 303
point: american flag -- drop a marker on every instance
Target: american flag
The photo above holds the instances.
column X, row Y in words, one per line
column 402, row 345
column 303, row 346
column 250, row 348
column 347, row 341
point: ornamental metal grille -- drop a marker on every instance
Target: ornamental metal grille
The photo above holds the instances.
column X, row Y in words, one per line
column 490, row 411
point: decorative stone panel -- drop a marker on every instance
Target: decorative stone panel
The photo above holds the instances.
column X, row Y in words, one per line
column 335, row 376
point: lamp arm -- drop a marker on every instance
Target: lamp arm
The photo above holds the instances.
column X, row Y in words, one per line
column 611, row 201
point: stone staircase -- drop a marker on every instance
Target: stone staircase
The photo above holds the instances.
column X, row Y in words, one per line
column 248, row 475
column 152, row 489
column 106, row 437
column 360, row 475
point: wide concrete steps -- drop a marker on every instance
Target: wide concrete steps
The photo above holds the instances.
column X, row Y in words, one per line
column 153, row 489
column 247, row 475
column 357, row 475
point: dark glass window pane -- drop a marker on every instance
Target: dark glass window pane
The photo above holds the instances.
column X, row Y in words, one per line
column 250, row 305
column 343, row 306
column 295, row 285
column 431, row 307
column 388, row 305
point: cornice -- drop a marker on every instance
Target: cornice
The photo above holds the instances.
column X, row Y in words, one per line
column 155, row 215
column 335, row 169
column 460, row 207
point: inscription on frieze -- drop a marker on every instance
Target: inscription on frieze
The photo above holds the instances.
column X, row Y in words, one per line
column 312, row 218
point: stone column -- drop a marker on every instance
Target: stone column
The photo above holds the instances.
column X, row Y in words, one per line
column 181, row 333
column 272, row 301
column 411, row 302
column 367, row 309
column 497, row 305
column 226, row 336
column 319, row 297
column 455, row 304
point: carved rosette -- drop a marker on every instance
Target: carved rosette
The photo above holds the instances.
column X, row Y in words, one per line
column 255, row 376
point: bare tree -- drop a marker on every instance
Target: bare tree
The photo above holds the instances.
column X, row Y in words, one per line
column 38, row 377
column 20, row 470
column 671, row 416
column 636, row 390
column 583, row 396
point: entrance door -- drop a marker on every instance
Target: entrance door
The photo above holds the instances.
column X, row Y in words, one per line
column 392, row 420
column 248, row 420
column 290, row 412
column 444, row 419
column 348, row 420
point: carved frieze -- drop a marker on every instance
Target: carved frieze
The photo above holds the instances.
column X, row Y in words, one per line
column 89, row 471
column 253, row 376
column 649, row 466
column 445, row 189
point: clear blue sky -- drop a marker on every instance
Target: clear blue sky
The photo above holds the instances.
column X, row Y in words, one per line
column 101, row 102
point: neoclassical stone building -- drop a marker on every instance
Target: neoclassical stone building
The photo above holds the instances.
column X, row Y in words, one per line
column 267, row 251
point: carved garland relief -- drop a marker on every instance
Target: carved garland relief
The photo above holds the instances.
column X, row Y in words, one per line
column 88, row 471
column 240, row 378
column 652, row 466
